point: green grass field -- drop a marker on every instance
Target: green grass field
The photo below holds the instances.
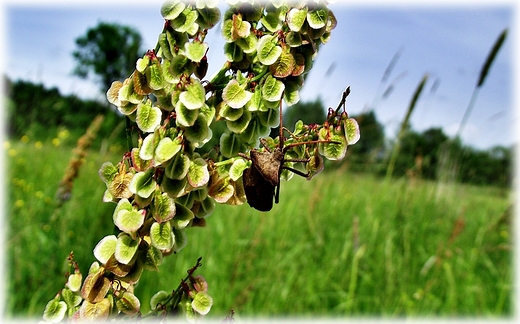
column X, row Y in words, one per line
column 341, row 245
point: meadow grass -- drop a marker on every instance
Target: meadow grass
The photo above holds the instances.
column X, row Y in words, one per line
column 342, row 244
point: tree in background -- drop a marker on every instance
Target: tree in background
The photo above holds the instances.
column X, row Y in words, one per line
column 370, row 148
column 108, row 51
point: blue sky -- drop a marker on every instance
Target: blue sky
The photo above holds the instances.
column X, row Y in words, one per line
column 448, row 41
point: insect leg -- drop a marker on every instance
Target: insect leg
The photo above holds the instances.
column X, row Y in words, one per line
column 264, row 144
column 298, row 172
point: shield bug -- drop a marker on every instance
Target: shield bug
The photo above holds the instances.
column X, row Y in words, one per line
column 262, row 179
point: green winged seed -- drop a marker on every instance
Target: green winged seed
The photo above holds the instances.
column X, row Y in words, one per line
column 229, row 113
column 107, row 172
column 237, row 168
column 240, row 28
column 123, row 204
column 195, row 96
column 142, row 64
column 202, row 303
column 127, row 93
column 128, row 303
column 332, row 151
column 174, row 188
column 148, row 117
column 161, row 235
column 185, row 117
column 298, row 127
column 222, row 191
column 195, row 51
column 178, row 168
column 126, row 248
column 254, row 131
column 255, row 104
column 284, row 66
column 268, row 49
column 164, row 47
column 143, row 183
column 208, row 16
column 351, row 131
column 235, row 95
column 129, row 221
column 54, row 311
column 293, row 39
column 181, row 64
column 163, row 208
column 198, row 132
column 198, row 174
column 95, row 311
column 153, row 259
column 167, row 148
column 317, row 18
column 230, row 145
column 295, row 18
column 193, row 29
column 208, row 205
column 159, row 299
column 239, row 125
column 182, row 217
column 272, row 89
column 70, row 298
column 272, row 21
column 291, row 93
column 154, row 74
column 147, row 150
column 208, row 113
column 167, row 74
column 74, row 281
column 189, row 312
column 105, row 248
column 248, row 44
column 171, row 9
column 185, row 21
column 233, row 52
column 227, row 31
column 181, row 239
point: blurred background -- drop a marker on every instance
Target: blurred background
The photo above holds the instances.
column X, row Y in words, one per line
column 415, row 221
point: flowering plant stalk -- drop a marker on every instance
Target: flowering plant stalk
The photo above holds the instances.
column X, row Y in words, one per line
column 164, row 184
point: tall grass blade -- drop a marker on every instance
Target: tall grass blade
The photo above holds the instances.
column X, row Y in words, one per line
column 404, row 125
column 491, row 57
column 353, row 278
column 391, row 66
column 384, row 79
column 483, row 74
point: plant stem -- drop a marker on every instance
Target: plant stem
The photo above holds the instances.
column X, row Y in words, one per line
column 404, row 125
column 129, row 134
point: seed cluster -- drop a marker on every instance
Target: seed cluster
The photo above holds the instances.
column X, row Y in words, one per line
column 165, row 183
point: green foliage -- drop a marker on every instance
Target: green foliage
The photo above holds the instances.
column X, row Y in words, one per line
column 39, row 112
column 423, row 154
column 108, row 51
